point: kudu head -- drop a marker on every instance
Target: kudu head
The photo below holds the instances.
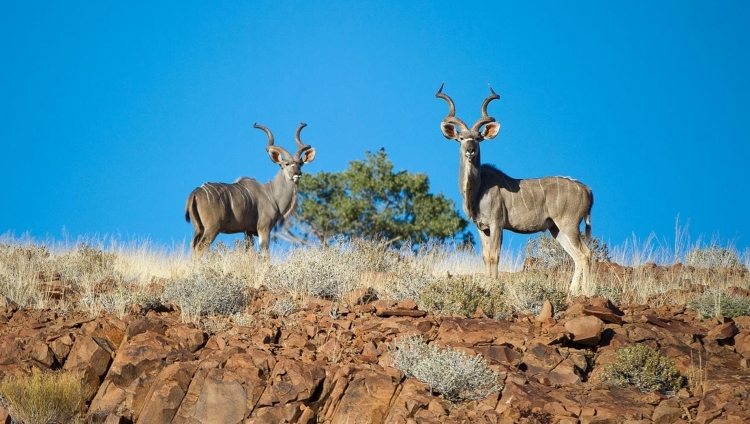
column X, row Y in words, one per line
column 454, row 128
column 291, row 165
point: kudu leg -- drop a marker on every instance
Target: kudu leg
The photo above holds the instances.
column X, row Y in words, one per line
column 264, row 239
column 249, row 241
column 209, row 235
column 570, row 239
column 492, row 241
column 195, row 243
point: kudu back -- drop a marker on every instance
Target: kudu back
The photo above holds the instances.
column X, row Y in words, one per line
column 495, row 201
column 247, row 206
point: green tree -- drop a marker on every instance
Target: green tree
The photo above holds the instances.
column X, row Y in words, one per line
column 369, row 200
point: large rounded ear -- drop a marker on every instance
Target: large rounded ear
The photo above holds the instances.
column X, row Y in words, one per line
column 449, row 130
column 308, row 156
column 275, row 154
column 490, row 130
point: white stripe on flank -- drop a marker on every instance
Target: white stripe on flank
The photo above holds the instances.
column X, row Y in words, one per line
column 208, row 193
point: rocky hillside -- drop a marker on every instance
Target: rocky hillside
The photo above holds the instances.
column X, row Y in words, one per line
column 331, row 364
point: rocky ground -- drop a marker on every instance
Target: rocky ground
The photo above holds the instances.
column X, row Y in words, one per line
column 330, row 364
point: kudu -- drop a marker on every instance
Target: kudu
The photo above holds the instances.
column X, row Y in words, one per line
column 496, row 202
column 247, row 206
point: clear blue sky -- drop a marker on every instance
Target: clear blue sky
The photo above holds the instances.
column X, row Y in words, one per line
column 111, row 113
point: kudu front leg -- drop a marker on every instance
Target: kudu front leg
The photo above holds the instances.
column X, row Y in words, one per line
column 491, row 240
column 264, row 239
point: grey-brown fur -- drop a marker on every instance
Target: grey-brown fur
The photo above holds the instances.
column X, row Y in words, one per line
column 496, row 202
column 247, row 206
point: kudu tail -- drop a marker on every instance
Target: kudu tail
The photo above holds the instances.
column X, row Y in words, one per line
column 191, row 209
column 587, row 219
column 190, row 200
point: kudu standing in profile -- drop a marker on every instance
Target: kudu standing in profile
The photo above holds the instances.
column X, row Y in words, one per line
column 497, row 202
column 247, row 206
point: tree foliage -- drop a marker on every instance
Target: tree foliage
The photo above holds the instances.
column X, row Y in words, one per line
column 370, row 200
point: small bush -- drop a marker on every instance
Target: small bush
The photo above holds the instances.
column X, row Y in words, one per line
column 119, row 301
column 41, row 398
column 547, row 253
column 527, row 291
column 713, row 257
column 20, row 267
column 206, row 293
column 327, row 272
column 715, row 303
column 87, row 264
column 643, row 367
column 452, row 373
column 331, row 271
column 462, row 296
column 283, row 307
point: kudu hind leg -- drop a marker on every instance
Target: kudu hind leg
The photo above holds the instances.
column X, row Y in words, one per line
column 573, row 243
column 198, row 234
column 202, row 246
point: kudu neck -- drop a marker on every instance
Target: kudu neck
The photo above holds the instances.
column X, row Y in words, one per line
column 469, row 181
column 283, row 192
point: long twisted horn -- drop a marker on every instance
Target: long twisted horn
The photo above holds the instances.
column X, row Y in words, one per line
column 486, row 119
column 270, row 140
column 301, row 147
column 451, row 118
column 267, row 131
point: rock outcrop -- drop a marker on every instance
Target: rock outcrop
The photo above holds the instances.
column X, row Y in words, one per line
column 320, row 366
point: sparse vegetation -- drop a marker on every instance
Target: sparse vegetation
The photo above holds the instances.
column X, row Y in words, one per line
column 713, row 256
column 41, row 397
column 283, row 307
column 442, row 277
column 544, row 252
column 714, row 302
column 644, row 368
column 462, row 295
column 452, row 373
column 207, row 293
column 527, row 291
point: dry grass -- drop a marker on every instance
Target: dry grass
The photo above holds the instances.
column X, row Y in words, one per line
column 108, row 275
column 41, row 398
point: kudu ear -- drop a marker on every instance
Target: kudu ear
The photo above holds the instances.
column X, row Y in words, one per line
column 490, row 130
column 276, row 155
column 449, row 130
column 308, row 156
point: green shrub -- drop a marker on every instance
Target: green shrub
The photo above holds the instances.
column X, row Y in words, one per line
column 713, row 257
column 546, row 253
column 643, row 367
column 715, row 303
column 462, row 295
column 41, row 398
column 455, row 375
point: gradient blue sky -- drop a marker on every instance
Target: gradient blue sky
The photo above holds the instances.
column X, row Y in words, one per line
column 110, row 114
